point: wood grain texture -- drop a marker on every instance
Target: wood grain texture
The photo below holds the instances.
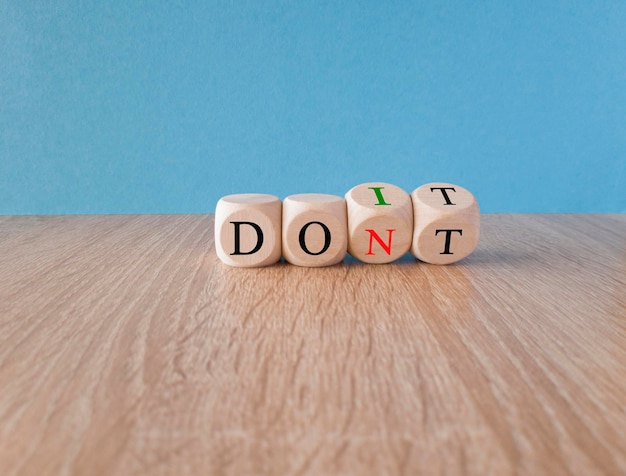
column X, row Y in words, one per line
column 127, row 347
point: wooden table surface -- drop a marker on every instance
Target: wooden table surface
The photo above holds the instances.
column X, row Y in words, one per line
column 126, row 347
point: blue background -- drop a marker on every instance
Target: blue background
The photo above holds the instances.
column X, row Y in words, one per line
column 161, row 107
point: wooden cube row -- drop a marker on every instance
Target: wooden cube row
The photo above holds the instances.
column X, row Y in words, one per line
column 375, row 222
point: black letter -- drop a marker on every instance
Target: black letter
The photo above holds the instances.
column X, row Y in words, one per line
column 446, row 250
column 259, row 235
column 445, row 194
column 326, row 238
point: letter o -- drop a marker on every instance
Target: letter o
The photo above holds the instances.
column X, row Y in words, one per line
column 301, row 238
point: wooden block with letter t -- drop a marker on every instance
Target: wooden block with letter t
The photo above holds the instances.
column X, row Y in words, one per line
column 248, row 229
column 447, row 223
column 315, row 231
column 380, row 222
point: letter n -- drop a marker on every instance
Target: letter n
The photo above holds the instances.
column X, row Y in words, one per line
column 385, row 246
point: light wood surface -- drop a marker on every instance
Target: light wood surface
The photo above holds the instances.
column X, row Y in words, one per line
column 127, row 347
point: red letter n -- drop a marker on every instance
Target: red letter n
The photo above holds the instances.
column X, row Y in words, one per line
column 374, row 235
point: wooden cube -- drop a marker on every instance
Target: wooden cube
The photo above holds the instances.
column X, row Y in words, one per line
column 248, row 229
column 314, row 229
column 447, row 223
column 380, row 222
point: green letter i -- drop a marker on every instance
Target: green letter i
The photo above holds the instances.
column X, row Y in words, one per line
column 379, row 195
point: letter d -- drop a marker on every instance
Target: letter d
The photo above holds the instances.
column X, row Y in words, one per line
column 259, row 234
